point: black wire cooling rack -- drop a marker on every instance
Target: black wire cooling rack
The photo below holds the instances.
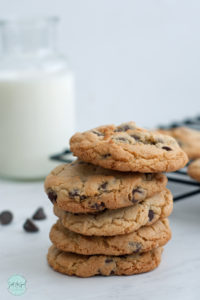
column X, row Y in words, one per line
column 178, row 180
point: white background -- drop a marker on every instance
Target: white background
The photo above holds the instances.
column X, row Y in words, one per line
column 133, row 60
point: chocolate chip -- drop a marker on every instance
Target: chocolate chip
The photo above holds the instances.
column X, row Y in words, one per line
column 123, row 256
column 136, row 137
column 137, row 194
column 151, row 215
column 98, row 206
column 106, row 155
column 124, row 127
column 29, row 226
column 108, row 260
column 149, row 176
column 136, row 246
column 52, row 196
column 166, row 148
column 98, row 133
column 112, row 272
column 39, row 214
column 74, row 193
column 82, row 197
column 103, row 186
column 6, row 217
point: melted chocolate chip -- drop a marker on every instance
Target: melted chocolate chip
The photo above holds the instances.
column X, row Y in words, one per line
column 137, row 194
column 124, row 127
column 166, row 148
column 29, row 226
column 106, row 155
column 6, row 217
column 149, row 176
column 136, row 137
column 82, row 197
column 108, row 260
column 151, row 215
column 39, row 214
column 52, row 196
column 98, row 206
column 97, row 133
column 136, row 246
column 74, row 193
column 123, row 256
column 112, row 272
column 103, row 186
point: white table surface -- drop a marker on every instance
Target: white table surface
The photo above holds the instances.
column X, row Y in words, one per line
column 24, row 253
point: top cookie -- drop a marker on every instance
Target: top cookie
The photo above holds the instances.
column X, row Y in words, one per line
column 188, row 139
column 81, row 187
column 128, row 148
column 194, row 170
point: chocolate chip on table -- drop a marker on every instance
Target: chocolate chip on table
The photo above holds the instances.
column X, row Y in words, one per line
column 39, row 214
column 52, row 196
column 166, row 148
column 151, row 215
column 6, row 217
column 29, row 226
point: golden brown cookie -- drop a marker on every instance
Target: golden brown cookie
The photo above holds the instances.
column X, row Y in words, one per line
column 81, row 187
column 188, row 139
column 143, row 240
column 128, row 148
column 194, row 170
column 119, row 221
column 87, row 266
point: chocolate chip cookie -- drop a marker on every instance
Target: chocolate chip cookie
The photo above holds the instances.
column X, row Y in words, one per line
column 81, row 187
column 86, row 266
column 143, row 240
column 188, row 139
column 128, row 148
column 194, row 170
column 119, row 221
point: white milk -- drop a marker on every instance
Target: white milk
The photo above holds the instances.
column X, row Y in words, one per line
column 36, row 121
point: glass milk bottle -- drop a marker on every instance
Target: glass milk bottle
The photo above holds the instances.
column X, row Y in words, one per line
column 36, row 98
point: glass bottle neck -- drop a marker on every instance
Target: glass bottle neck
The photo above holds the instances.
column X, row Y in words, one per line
column 28, row 37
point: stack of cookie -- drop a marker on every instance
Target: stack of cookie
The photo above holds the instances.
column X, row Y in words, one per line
column 112, row 203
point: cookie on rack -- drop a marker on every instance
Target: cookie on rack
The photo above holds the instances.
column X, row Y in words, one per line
column 86, row 266
column 188, row 139
column 194, row 170
column 143, row 240
column 81, row 187
column 119, row 221
column 128, row 148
